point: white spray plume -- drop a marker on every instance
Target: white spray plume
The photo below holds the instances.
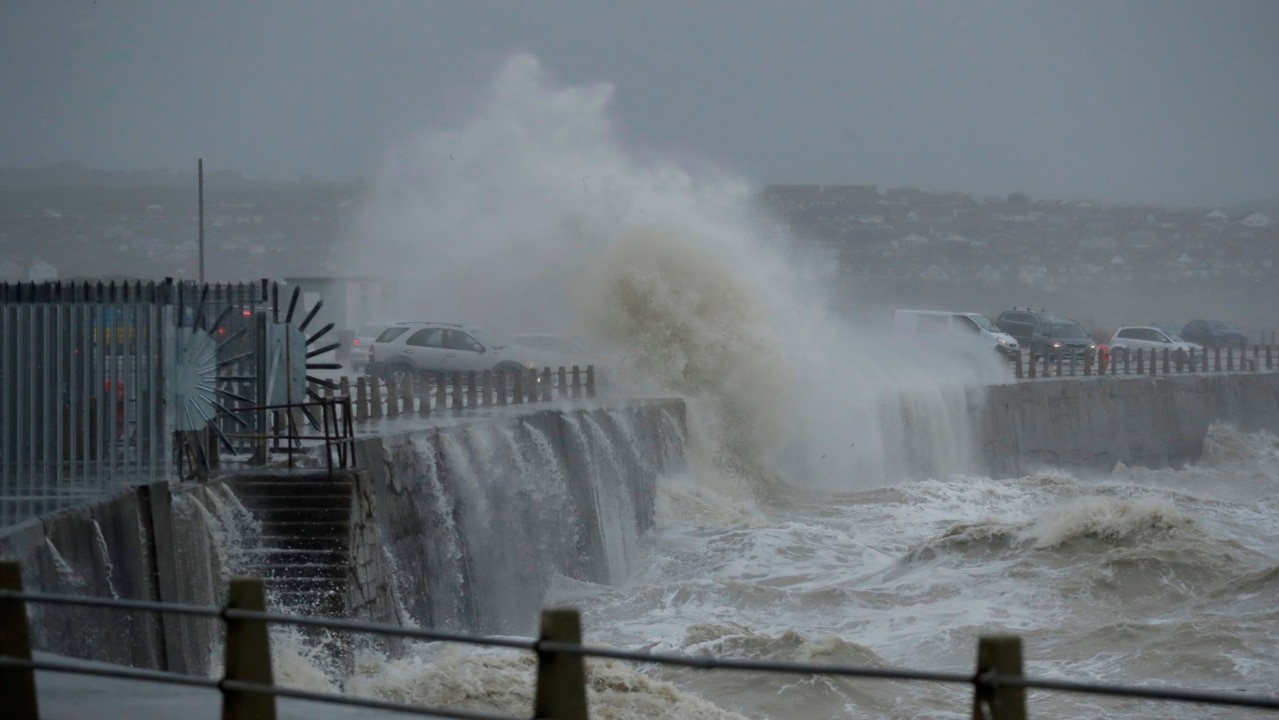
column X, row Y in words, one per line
column 533, row 216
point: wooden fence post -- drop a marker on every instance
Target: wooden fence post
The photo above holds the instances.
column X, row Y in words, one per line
column 500, row 389
column 577, row 382
column 1166, row 361
column 1088, row 357
column 561, row 677
column 1256, row 357
column 471, row 390
column 406, row 394
column 993, row 700
column 486, row 382
column 441, row 392
column 1270, row 358
column 1141, row 361
column 530, row 386
column 1230, row 357
column 457, row 390
column 424, row 395
column 590, row 381
column 361, row 399
column 1031, row 364
column 375, row 397
column 517, row 395
column 18, row 683
column 546, row 383
column 561, row 378
column 1019, row 374
column 248, row 654
column 1216, row 358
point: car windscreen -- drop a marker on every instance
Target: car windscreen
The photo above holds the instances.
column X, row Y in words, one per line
column 983, row 322
column 1068, row 332
column 485, row 338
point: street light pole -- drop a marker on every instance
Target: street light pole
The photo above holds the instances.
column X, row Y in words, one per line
column 200, row 173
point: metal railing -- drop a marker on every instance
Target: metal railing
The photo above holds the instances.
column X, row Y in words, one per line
column 331, row 434
column 248, row 690
column 1144, row 361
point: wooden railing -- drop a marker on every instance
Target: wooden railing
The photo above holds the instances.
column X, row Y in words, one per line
column 423, row 394
column 249, row 691
column 1152, row 361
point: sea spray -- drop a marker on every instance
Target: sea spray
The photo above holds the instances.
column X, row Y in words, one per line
column 674, row 268
column 104, row 558
column 67, row 575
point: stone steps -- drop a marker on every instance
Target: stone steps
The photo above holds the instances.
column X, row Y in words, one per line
column 304, row 558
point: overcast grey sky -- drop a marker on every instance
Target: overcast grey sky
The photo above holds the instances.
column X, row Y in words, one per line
column 1155, row 100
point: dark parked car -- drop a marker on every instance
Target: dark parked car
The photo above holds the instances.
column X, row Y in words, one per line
column 1061, row 337
column 1214, row 333
column 1021, row 322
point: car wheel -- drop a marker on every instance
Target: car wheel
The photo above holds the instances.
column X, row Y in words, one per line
column 397, row 372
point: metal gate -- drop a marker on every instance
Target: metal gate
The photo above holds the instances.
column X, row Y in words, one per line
column 103, row 386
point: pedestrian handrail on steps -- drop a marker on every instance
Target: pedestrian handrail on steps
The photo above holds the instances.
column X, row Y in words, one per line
column 285, row 432
column 1148, row 361
column 248, row 689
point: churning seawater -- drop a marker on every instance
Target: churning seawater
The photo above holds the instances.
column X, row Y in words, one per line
column 1153, row 577
column 829, row 519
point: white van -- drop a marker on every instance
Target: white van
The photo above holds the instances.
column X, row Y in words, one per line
column 950, row 328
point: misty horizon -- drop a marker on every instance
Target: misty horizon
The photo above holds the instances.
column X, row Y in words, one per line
column 1137, row 103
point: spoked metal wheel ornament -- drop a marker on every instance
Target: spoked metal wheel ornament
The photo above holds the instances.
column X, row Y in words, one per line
column 242, row 372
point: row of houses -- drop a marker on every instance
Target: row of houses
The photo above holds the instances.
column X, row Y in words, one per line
column 949, row 237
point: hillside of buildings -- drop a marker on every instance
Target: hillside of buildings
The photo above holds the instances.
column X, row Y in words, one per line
column 1102, row 264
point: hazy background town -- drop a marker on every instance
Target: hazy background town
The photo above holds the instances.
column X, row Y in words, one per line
column 876, row 247
column 1114, row 162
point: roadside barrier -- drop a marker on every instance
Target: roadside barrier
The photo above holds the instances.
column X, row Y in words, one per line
column 1029, row 364
column 423, row 394
column 248, row 689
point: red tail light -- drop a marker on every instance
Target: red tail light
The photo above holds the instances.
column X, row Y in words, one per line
column 356, row 342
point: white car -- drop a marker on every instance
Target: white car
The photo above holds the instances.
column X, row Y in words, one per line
column 430, row 348
column 1145, row 337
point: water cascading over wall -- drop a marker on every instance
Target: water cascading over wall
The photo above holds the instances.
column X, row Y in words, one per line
column 466, row 526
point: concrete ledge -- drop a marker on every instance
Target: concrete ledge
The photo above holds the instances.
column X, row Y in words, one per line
column 1096, row 422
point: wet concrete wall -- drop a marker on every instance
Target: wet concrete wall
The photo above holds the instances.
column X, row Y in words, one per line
column 151, row 542
column 420, row 550
column 465, row 526
column 1152, row 421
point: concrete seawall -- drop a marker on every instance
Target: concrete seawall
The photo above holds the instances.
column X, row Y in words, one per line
column 466, row 526
column 463, row 524
column 466, row 522
column 1096, row 422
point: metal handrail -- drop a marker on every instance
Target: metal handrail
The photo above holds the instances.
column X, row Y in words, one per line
column 990, row 679
column 299, row 694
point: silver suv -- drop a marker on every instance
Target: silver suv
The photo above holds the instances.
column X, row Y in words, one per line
column 408, row 348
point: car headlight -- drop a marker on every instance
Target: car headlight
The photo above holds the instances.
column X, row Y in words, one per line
column 532, row 365
column 1092, row 346
column 1056, row 344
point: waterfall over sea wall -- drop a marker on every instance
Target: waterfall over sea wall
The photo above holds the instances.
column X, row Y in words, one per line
column 477, row 519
